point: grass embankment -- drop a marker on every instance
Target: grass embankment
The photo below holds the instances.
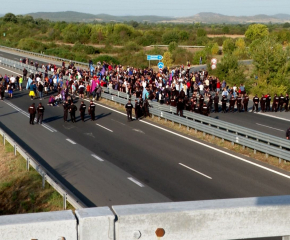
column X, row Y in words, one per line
column 208, row 138
column 21, row 190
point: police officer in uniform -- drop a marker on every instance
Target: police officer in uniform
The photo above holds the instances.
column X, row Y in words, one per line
column 65, row 110
column 245, row 102
column 286, row 102
column 72, row 111
column 129, row 108
column 239, row 103
column 263, row 103
column 40, row 111
column 268, row 102
column 209, row 104
column 281, row 102
column 275, row 103
column 82, row 110
column 179, row 108
column 224, row 104
column 256, row 101
column 216, row 103
column 232, row 104
column 92, row 108
column 205, row 110
column 201, row 100
column 146, row 108
column 32, row 111
column 137, row 110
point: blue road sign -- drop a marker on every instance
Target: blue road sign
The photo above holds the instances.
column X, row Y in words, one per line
column 154, row 57
column 160, row 65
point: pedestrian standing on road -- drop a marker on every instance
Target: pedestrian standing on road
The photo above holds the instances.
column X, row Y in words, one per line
column 24, row 74
column 32, row 111
column 275, row 103
column 239, row 103
column 268, row 102
column 245, row 102
column 40, row 112
column 82, row 110
column 286, row 102
column 263, row 102
column 224, row 104
column 72, row 111
column 288, row 134
column 137, row 110
column 10, row 89
column 32, row 89
column 129, row 108
column 256, row 101
column 20, row 83
column 40, row 90
column 2, row 91
column 65, row 110
column 216, row 103
column 232, row 104
column 146, row 108
column 92, row 108
column 281, row 102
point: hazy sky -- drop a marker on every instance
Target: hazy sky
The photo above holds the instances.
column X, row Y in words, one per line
column 172, row 8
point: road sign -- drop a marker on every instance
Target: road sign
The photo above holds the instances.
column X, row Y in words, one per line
column 214, row 61
column 160, row 65
column 154, row 57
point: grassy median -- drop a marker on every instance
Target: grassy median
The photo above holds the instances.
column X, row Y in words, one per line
column 209, row 138
column 21, row 190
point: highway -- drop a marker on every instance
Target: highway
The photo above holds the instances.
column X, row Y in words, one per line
column 141, row 162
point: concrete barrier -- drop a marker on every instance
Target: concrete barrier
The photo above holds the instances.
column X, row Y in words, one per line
column 213, row 219
column 45, row 226
column 95, row 223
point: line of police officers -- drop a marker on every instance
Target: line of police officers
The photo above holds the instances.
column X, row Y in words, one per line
column 141, row 108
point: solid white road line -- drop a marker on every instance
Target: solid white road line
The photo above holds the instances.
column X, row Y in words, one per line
column 270, row 127
column 195, row 170
column 104, row 127
column 136, row 182
column 97, row 157
column 71, row 141
column 268, row 115
column 10, row 71
column 208, row 146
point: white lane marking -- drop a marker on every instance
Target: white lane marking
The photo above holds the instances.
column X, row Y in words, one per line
column 118, row 122
column 205, row 145
column 195, row 170
column 71, row 141
column 104, row 127
column 137, row 130
column 269, row 127
column 47, row 128
column 97, row 157
column 268, row 115
column 136, row 182
column 10, row 70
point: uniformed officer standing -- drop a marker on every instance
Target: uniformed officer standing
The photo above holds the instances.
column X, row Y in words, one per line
column 268, row 101
column 239, row 103
column 146, row 108
column 263, row 102
column 216, row 103
column 281, row 102
column 40, row 112
column 32, row 111
column 137, row 110
column 205, row 110
column 92, row 108
column 286, row 102
column 65, row 110
column 245, row 102
column 275, row 103
column 82, row 110
column 72, row 111
column 224, row 104
column 179, row 108
column 288, row 134
column 232, row 104
column 200, row 101
column 209, row 104
column 256, row 101
column 129, row 108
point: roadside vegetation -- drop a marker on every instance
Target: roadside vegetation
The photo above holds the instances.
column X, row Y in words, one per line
column 128, row 43
column 21, row 190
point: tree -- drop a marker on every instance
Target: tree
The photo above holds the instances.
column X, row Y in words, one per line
column 215, row 49
column 167, row 60
column 228, row 46
column 226, row 30
column 172, row 46
column 10, row 17
column 201, row 32
column 240, row 52
column 257, row 31
column 169, row 37
column 286, row 25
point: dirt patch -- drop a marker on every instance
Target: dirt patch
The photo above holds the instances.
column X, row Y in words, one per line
column 225, row 35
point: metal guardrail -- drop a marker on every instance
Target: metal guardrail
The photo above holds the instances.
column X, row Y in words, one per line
column 246, row 139
column 216, row 123
column 46, row 175
column 45, row 56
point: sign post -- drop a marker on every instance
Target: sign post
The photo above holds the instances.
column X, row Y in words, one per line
column 154, row 57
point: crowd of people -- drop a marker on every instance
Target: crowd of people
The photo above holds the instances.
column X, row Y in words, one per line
column 193, row 91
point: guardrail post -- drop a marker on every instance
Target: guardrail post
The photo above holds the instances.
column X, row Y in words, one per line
column 267, row 155
column 27, row 164
column 255, row 151
column 43, row 180
column 64, row 201
column 15, row 148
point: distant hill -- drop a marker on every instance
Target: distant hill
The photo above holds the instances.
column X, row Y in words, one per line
column 204, row 17
column 71, row 16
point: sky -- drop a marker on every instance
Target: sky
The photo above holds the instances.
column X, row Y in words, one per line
column 171, row 8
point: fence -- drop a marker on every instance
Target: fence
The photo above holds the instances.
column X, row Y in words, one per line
column 44, row 56
column 255, row 140
column 45, row 174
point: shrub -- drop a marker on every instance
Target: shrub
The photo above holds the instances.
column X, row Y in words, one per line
column 106, row 58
